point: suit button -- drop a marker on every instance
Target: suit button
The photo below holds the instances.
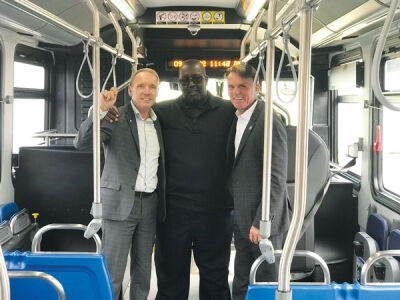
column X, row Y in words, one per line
column 137, row 169
column 133, row 187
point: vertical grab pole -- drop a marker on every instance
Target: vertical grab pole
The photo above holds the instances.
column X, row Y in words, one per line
column 266, row 246
column 4, row 281
column 134, row 47
column 95, row 224
column 284, row 291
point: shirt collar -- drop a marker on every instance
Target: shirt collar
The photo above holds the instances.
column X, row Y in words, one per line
column 248, row 113
column 153, row 116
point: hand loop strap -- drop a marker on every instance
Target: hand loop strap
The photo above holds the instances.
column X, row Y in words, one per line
column 85, row 58
column 285, row 50
column 112, row 70
column 261, row 67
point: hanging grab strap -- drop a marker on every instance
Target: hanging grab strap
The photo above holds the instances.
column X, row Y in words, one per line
column 285, row 50
column 112, row 70
column 85, row 58
column 260, row 66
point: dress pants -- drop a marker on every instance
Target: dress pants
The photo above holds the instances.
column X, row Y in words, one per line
column 209, row 235
column 246, row 253
column 136, row 233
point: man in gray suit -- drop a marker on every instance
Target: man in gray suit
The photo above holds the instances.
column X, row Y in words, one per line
column 245, row 154
column 132, row 182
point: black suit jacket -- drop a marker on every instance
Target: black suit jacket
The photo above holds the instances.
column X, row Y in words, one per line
column 246, row 177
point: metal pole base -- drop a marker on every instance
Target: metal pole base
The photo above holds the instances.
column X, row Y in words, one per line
column 279, row 295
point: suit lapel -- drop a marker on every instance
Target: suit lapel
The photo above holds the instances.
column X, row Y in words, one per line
column 157, row 126
column 230, row 151
column 131, row 119
column 249, row 128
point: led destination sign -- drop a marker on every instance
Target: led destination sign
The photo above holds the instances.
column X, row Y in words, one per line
column 212, row 63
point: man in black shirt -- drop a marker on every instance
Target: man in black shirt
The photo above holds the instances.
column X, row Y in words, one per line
column 195, row 129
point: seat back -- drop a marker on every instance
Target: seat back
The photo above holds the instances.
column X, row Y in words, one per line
column 7, row 210
column 317, row 177
column 5, row 233
column 83, row 276
column 377, row 228
column 57, row 183
column 394, row 241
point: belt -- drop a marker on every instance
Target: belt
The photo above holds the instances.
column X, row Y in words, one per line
column 142, row 194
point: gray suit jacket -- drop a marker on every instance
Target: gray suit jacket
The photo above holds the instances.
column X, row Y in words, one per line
column 122, row 160
column 247, row 173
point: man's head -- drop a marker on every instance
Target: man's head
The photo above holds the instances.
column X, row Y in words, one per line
column 240, row 86
column 193, row 80
column 144, row 88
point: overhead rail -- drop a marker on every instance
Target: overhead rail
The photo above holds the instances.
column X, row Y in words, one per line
column 275, row 31
column 35, row 10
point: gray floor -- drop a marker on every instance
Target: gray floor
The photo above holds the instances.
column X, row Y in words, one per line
column 194, row 281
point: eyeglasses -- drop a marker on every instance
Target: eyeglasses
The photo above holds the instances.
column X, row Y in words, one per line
column 196, row 79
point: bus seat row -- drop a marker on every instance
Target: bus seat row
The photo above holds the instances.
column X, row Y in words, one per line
column 16, row 228
column 83, row 275
column 377, row 238
column 334, row 291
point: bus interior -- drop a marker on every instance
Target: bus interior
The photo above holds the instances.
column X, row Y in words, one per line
column 47, row 90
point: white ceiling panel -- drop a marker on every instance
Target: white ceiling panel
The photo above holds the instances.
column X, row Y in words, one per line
column 163, row 3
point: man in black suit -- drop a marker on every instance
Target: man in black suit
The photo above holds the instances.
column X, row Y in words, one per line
column 195, row 130
column 245, row 154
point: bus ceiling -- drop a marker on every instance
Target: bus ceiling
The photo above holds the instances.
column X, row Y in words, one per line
column 335, row 22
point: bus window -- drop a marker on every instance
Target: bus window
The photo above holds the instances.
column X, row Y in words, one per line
column 165, row 92
column 286, row 88
column 392, row 73
column 28, row 110
column 390, row 150
column 349, row 131
column 346, row 79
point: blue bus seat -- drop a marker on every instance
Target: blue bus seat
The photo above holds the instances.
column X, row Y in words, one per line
column 333, row 291
column 378, row 229
column 394, row 240
column 82, row 275
column 368, row 243
column 7, row 210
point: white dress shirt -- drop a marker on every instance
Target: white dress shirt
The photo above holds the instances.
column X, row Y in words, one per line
column 241, row 124
column 149, row 152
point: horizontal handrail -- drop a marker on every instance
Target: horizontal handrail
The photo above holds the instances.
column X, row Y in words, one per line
column 40, row 275
column 370, row 262
column 305, row 253
column 38, row 236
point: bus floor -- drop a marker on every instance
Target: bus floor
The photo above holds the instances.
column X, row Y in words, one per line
column 194, row 279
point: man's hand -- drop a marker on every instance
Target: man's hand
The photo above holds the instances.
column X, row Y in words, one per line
column 254, row 235
column 108, row 99
column 112, row 115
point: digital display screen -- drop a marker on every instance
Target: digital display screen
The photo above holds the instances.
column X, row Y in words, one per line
column 212, row 63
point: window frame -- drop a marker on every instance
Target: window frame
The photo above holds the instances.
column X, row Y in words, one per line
column 354, row 56
column 382, row 195
column 36, row 57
